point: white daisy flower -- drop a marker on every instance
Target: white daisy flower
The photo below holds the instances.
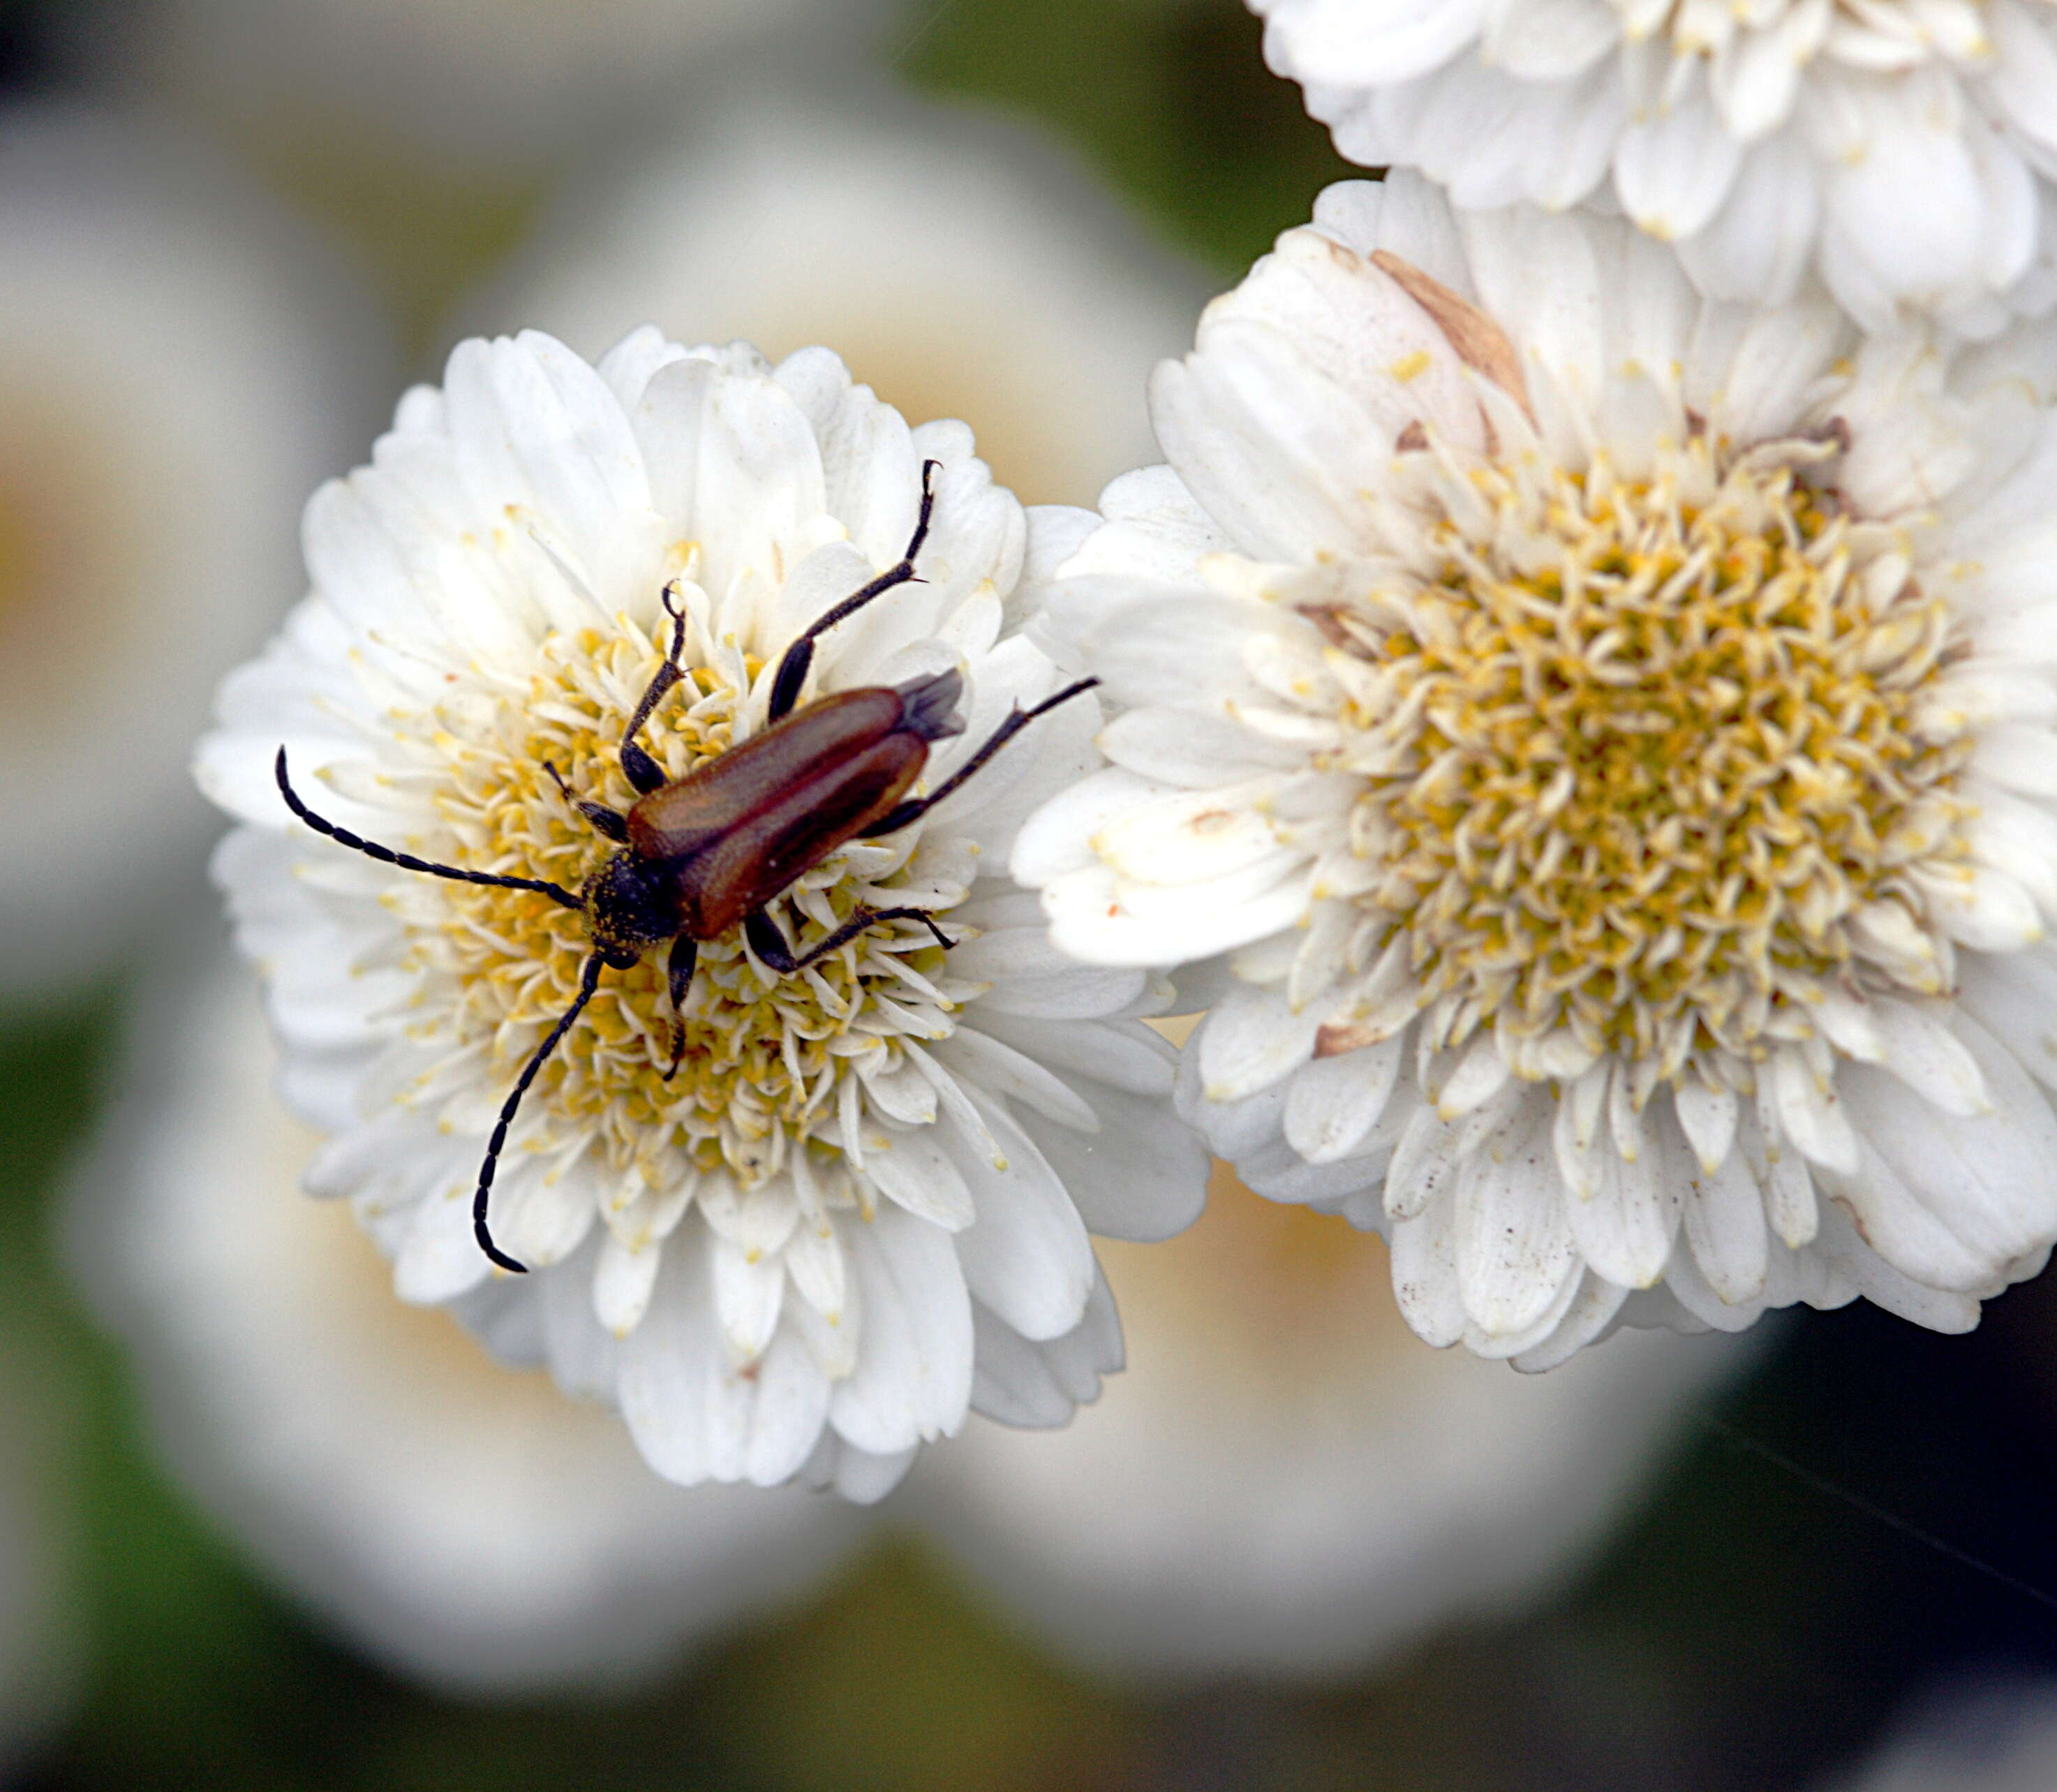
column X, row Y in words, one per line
column 860, row 1205
column 178, row 366
column 1282, row 1482
column 1905, row 149
column 1610, row 737
column 459, row 1523
column 962, row 266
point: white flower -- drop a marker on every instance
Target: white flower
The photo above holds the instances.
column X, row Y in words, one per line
column 1611, row 738
column 486, row 90
column 1980, row 1738
column 858, row 1207
column 960, row 265
column 458, row 1522
column 178, row 364
column 1905, row 148
column 1282, row 1482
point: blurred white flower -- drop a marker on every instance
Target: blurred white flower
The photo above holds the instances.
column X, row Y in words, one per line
column 962, row 266
column 1605, row 742
column 1989, row 1739
column 1905, row 148
column 498, row 86
column 861, row 1205
column 177, row 366
column 1282, row 1480
column 459, row 1521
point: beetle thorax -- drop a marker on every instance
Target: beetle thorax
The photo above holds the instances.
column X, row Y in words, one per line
column 767, row 1056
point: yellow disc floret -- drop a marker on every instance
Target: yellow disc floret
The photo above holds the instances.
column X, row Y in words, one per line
column 1638, row 749
column 766, row 1056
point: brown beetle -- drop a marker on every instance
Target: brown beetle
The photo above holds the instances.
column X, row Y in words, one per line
column 712, row 849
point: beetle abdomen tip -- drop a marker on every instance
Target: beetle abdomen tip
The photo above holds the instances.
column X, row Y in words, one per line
column 928, row 705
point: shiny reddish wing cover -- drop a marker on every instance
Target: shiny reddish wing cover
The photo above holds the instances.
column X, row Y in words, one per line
column 744, row 826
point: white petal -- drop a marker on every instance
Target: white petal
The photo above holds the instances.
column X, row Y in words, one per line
column 622, row 1284
column 1725, row 1228
column 914, row 1170
column 1424, row 1273
column 913, row 1376
column 1252, row 1041
column 1142, row 1177
column 1026, row 1258
column 1514, row 1245
column 1624, row 1230
column 1334, row 1102
column 696, row 1413
column 748, row 1295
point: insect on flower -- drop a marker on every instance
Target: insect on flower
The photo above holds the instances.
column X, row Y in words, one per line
column 717, row 846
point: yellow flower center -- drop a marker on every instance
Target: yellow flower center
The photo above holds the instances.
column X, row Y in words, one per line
column 1642, row 748
column 767, row 1058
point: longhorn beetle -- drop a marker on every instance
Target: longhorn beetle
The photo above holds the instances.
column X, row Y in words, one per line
column 717, row 845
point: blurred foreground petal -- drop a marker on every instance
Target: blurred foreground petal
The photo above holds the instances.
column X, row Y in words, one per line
column 459, row 1521
column 963, row 267
column 1285, row 1480
column 1984, row 1741
column 178, row 364
column 500, row 85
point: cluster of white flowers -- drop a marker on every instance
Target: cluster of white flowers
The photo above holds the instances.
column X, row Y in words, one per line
column 1578, row 709
column 862, row 1203
column 1900, row 150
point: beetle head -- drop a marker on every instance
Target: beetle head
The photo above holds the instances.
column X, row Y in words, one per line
column 630, row 906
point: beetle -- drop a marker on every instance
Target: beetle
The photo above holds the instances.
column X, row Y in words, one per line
column 699, row 854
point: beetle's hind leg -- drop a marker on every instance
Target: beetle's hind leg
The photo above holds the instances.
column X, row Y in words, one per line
column 769, row 944
column 896, row 818
column 800, row 656
column 644, row 772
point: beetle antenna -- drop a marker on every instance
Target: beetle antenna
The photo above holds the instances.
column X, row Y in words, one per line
column 407, row 862
column 589, row 981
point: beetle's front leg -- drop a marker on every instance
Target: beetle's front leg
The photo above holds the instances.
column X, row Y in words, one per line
column 685, row 954
column 610, row 823
column 769, row 944
column 799, row 658
column 644, row 772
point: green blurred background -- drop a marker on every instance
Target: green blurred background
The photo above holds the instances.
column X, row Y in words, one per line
column 1794, row 1576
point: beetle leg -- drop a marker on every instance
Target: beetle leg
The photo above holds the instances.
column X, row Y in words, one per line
column 643, row 772
column 679, row 976
column 769, row 944
column 406, row 861
column 589, row 981
column 896, row 818
column 799, row 657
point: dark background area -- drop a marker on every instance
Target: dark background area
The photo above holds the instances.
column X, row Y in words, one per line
column 1869, row 1517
